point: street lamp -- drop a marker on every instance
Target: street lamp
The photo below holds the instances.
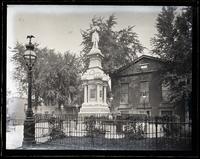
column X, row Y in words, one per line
column 77, row 107
column 29, row 123
column 144, row 96
column 110, row 101
column 111, row 97
column 62, row 108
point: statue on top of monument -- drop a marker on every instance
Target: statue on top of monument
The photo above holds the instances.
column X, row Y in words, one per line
column 95, row 36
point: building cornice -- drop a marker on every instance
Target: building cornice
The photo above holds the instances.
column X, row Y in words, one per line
column 135, row 74
column 137, row 60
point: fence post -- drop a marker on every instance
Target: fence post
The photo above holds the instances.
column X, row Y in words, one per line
column 145, row 126
column 156, row 125
column 69, row 126
column 93, row 123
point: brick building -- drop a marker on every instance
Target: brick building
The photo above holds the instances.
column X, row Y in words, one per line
column 137, row 89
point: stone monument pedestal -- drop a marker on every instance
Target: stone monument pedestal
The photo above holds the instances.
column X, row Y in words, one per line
column 95, row 83
column 94, row 109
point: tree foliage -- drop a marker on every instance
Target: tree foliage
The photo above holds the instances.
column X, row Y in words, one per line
column 173, row 43
column 118, row 47
column 56, row 76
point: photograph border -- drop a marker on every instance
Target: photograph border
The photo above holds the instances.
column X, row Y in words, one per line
column 104, row 153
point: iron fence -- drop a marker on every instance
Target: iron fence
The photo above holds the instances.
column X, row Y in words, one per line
column 11, row 123
column 129, row 132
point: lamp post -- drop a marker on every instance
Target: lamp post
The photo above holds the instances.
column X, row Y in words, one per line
column 77, row 107
column 62, row 108
column 62, row 111
column 145, row 122
column 144, row 100
column 29, row 123
column 110, row 100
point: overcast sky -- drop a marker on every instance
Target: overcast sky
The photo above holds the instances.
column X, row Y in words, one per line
column 58, row 26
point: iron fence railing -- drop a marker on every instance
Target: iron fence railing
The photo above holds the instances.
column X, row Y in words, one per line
column 12, row 123
column 113, row 132
column 128, row 132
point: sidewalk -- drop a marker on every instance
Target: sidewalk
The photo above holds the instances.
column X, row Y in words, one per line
column 121, row 144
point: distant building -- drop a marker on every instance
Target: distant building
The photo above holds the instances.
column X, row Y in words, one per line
column 44, row 109
column 137, row 89
column 16, row 107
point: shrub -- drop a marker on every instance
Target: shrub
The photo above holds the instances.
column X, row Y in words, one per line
column 94, row 126
column 56, row 133
column 134, row 130
column 56, row 128
column 171, row 126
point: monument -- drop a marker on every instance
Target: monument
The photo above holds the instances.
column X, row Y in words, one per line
column 95, row 81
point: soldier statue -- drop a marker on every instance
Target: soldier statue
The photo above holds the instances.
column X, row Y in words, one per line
column 95, row 37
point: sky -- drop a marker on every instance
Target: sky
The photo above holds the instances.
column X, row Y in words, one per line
column 58, row 26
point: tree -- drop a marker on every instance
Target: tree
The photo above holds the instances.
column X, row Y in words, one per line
column 56, row 77
column 118, row 47
column 173, row 43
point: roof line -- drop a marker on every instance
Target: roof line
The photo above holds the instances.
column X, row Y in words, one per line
column 136, row 60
